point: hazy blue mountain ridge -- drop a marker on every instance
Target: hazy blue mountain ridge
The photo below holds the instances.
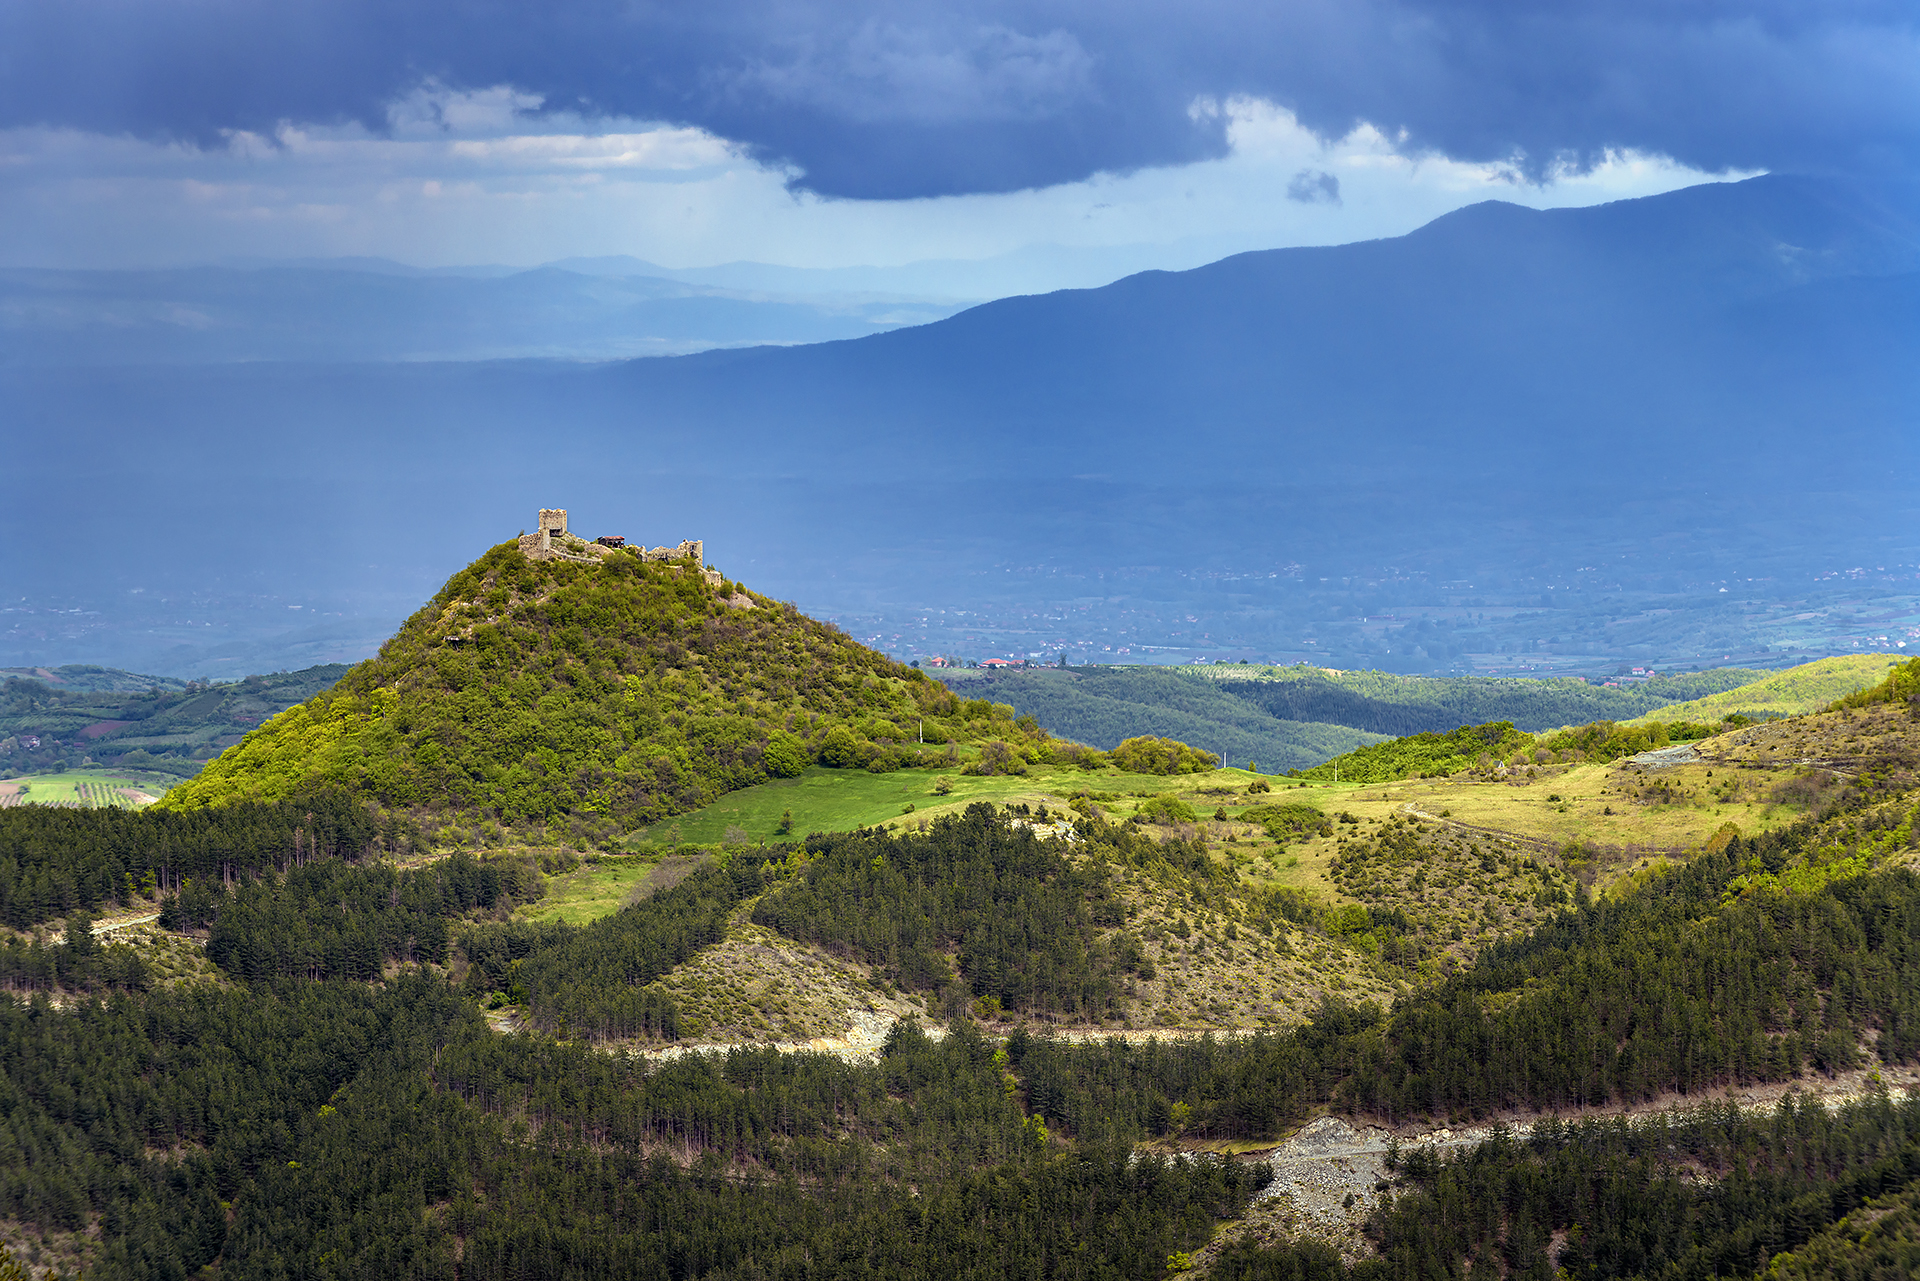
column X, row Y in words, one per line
column 359, row 311
column 1636, row 402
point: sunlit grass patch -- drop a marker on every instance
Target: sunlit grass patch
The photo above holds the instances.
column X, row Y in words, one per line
column 838, row 800
column 599, row 887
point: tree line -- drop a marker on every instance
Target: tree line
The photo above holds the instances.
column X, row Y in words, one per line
column 1671, row 990
column 590, row 981
column 336, row 920
column 1406, row 705
column 54, row 862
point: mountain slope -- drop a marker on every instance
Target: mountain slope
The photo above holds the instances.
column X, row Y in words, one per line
column 1630, row 398
column 1796, row 691
column 620, row 687
column 1658, row 310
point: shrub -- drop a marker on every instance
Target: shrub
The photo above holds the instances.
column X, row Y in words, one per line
column 842, row 750
column 1165, row 809
column 784, row 757
column 997, row 757
column 1148, row 754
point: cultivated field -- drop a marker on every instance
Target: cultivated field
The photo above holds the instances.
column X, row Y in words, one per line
column 86, row 789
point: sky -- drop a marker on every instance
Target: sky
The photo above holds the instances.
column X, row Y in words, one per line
column 137, row 132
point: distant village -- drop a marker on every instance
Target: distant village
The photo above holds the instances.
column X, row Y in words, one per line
column 986, row 664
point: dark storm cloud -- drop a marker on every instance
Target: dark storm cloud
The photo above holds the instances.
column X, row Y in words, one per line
column 895, row 100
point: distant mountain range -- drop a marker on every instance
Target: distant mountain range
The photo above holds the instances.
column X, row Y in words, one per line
column 1574, row 417
column 1726, row 318
column 605, row 308
column 372, row 310
column 1032, row 269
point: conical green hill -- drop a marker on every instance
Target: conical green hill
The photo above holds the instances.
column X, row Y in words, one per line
column 620, row 687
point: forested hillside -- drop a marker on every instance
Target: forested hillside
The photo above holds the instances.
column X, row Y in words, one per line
column 531, row 691
column 1103, row 705
column 342, row 1097
column 54, row 862
column 1295, row 718
column 1712, row 1192
column 399, row 1116
column 1382, row 703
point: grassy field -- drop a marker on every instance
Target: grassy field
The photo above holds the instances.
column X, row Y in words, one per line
column 606, row 883
column 1624, row 812
column 1796, row 690
column 85, row 788
column 1608, row 805
column 829, row 800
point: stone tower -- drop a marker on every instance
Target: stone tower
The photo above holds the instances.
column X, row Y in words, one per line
column 549, row 539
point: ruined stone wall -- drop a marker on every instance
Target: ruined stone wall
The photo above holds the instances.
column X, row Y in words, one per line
column 689, row 547
column 553, row 541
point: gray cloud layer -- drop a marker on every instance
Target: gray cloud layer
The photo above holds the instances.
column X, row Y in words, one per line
column 896, row 100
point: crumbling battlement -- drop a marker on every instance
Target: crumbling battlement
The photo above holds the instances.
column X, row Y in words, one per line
column 552, row 540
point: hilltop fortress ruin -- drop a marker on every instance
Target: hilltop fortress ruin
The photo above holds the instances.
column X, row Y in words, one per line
column 552, row 540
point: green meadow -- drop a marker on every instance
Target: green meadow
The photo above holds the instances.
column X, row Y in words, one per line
column 601, row 887
column 837, row 800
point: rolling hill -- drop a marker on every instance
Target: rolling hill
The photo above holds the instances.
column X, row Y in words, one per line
column 607, row 689
column 1797, row 690
column 1102, row 706
column 1295, row 718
